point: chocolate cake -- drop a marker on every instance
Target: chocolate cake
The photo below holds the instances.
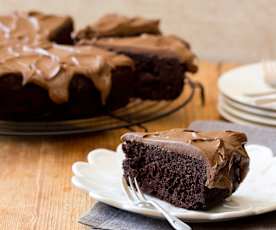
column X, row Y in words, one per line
column 43, row 76
column 189, row 169
column 161, row 62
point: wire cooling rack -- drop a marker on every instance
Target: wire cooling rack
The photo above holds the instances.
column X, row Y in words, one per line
column 134, row 115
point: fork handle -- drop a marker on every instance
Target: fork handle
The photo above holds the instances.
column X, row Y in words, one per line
column 174, row 221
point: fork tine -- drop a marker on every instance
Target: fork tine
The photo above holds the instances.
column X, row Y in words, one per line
column 126, row 190
column 133, row 190
column 139, row 190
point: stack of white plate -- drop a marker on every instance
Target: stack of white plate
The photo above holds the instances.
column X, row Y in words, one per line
column 245, row 97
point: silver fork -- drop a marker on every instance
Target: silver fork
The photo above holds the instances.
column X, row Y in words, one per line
column 136, row 197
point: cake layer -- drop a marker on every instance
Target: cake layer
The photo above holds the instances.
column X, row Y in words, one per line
column 194, row 170
column 114, row 25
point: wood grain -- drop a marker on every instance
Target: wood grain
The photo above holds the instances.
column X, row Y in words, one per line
column 35, row 186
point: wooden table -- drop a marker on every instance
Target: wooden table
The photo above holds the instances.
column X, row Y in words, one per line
column 35, row 173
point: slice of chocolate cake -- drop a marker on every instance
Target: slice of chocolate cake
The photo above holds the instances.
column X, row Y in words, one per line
column 189, row 169
column 58, row 82
column 34, row 27
column 114, row 25
column 160, row 63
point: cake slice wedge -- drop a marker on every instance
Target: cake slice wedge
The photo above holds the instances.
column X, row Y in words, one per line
column 189, row 169
column 161, row 63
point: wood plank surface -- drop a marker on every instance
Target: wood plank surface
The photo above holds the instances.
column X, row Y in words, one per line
column 35, row 173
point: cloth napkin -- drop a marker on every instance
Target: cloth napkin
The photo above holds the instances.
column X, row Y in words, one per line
column 105, row 217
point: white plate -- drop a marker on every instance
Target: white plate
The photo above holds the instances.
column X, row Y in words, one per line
column 237, row 120
column 249, row 109
column 250, row 117
column 238, row 82
column 101, row 178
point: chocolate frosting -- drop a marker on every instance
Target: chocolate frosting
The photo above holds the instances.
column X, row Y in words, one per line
column 52, row 66
column 29, row 27
column 114, row 25
column 218, row 148
column 161, row 45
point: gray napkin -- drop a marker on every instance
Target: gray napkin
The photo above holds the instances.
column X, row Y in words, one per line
column 102, row 216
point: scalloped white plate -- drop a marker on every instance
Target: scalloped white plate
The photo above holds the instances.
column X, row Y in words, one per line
column 101, row 178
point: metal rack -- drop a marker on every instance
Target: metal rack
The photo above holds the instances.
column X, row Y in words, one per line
column 135, row 114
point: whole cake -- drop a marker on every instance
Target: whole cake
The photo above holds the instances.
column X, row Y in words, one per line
column 189, row 169
column 45, row 74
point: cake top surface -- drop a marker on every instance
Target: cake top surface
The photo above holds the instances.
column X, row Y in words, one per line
column 207, row 141
column 161, row 45
column 218, row 148
column 29, row 27
column 52, row 66
column 115, row 25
